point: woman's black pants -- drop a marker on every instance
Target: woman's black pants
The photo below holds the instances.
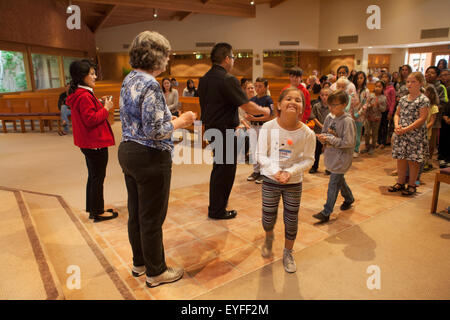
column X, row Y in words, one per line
column 147, row 176
column 96, row 161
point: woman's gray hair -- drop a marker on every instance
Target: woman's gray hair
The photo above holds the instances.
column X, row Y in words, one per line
column 149, row 51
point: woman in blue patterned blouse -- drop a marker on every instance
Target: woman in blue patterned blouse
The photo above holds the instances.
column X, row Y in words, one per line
column 145, row 155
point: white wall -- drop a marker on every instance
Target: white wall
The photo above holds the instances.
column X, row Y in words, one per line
column 294, row 20
column 401, row 21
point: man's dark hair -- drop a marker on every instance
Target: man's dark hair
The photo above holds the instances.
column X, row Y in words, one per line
column 262, row 80
column 220, row 52
column 436, row 69
column 296, row 72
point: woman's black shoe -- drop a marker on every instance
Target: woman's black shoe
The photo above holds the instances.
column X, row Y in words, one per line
column 101, row 217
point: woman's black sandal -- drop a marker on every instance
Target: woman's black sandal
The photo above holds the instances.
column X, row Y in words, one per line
column 409, row 191
column 397, row 187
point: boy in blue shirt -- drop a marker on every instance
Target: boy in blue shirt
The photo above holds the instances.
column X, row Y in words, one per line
column 262, row 99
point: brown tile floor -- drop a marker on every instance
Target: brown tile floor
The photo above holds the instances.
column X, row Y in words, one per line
column 216, row 252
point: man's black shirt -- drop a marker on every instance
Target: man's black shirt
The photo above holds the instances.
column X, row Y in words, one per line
column 220, row 97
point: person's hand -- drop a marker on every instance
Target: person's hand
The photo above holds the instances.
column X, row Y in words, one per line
column 389, row 117
column 321, row 138
column 248, row 117
column 174, row 117
column 188, row 118
column 277, row 176
column 284, row 177
column 399, row 131
column 108, row 102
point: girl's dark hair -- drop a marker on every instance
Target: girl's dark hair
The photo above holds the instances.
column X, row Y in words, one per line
column 284, row 94
column 442, row 61
column 400, row 71
column 340, row 96
column 79, row 69
column 343, row 67
column 382, row 84
column 193, row 85
column 355, row 81
column 162, row 84
column 432, row 95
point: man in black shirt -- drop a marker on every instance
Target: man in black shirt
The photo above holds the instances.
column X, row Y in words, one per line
column 220, row 98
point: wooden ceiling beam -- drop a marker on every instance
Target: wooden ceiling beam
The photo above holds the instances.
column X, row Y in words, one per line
column 108, row 14
column 222, row 8
column 180, row 16
column 275, row 3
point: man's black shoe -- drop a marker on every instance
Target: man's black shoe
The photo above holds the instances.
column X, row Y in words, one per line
column 312, row 170
column 227, row 215
column 321, row 217
column 346, row 205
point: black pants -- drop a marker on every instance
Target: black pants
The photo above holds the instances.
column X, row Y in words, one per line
column 317, row 154
column 222, row 174
column 96, row 161
column 147, row 176
column 383, row 129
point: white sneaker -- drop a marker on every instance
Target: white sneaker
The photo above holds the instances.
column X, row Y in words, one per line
column 355, row 154
column 266, row 250
column 170, row 275
column 288, row 261
column 138, row 271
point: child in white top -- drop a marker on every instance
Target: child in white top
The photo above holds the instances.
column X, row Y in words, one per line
column 285, row 150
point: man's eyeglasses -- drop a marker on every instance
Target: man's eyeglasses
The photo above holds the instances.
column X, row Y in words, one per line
column 232, row 57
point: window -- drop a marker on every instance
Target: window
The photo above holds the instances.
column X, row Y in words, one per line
column 12, row 72
column 66, row 63
column 46, row 71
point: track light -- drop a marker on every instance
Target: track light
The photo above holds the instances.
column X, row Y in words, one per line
column 252, row 3
column 155, row 14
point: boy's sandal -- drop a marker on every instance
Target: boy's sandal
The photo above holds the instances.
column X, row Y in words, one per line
column 409, row 191
column 396, row 187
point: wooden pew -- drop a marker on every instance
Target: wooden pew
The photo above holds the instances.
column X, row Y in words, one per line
column 193, row 104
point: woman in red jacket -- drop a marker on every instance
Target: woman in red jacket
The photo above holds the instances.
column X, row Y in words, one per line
column 91, row 133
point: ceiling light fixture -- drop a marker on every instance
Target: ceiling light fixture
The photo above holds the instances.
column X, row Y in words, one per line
column 155, row 14
column 252, row 3
column 329, row 50
column 339, row 49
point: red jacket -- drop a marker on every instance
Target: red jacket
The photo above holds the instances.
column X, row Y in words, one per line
column 90, row 124
column 307, row 111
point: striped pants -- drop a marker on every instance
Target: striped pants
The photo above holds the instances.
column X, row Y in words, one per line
column 271, row 193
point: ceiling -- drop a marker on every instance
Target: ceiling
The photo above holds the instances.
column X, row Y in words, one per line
column 99, row 14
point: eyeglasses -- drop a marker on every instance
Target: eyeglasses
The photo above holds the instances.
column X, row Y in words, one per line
column 232, row 57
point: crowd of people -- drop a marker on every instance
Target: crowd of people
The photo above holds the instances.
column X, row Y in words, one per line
column 406, row 109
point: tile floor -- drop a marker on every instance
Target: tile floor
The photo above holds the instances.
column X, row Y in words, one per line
column 216, row 252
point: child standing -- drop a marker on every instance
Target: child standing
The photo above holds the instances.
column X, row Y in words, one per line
column 256, row 122
column 319, row 112
column 373, row 111
column 338, row 135
column 389, row 91
column 283, row 161
column 410, row 146
column 431, row 94
column 357, row 112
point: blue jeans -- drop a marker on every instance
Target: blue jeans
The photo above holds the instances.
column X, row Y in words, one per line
column 65, row 113
column 337, row 183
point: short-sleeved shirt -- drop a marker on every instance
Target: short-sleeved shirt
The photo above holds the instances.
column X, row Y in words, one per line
column 220, row 96
column 265, row 102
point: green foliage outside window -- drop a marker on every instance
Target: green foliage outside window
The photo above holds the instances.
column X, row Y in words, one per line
column 12, row 72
